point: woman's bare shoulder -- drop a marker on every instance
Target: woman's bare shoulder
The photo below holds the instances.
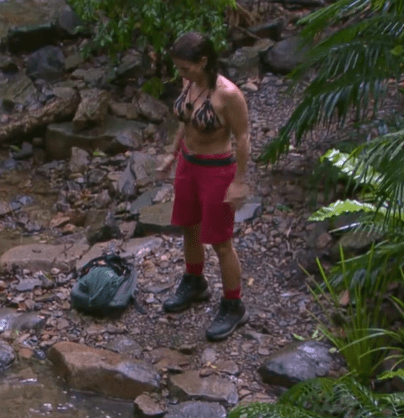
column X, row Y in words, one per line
column 228, row 90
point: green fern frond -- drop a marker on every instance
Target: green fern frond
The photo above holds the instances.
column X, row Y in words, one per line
column 340, row 207
column 389, row 374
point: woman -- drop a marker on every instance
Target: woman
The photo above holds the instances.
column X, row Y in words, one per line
column 210, row 179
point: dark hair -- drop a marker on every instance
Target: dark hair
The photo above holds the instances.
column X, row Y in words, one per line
column 192, row 46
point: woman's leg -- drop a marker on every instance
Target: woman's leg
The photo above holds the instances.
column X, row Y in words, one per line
column 193, row 286
column 230, row 268
column 193, row 250
column 232, row 312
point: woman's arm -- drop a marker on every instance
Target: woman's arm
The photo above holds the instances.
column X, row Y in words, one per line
column 237, row 115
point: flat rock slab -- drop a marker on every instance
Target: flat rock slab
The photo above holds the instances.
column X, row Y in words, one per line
column 102, row 371
column 6, row 355
column 44, row 257
column 132, row 249
column 248, row 210
column 171, row 359
column 196, row 409
column 190, row 385
column 297, row 362
column 156, row 219
column 11, row 320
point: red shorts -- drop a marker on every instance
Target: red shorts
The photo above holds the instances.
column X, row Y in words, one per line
column 200, row 186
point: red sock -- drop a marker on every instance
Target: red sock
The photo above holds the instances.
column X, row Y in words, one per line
column 233, row 293
column 195, row 269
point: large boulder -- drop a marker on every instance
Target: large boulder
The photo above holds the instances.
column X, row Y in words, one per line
column 43, row 256
column 92, row 109
column 26, row 26
column 284, row 56
column 47, row 64
column 149, row 107
column 297, row 362
column 18, row 89
column 114, row 136
column 190, row 385
column 102, row 371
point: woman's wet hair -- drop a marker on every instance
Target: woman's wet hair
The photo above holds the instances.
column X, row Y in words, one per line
column 192, row 47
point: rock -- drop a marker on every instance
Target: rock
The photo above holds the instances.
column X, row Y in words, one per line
column 7, row 65
column 209, row 355
column 132, row 65
column 323, row 241
column 116, row 135
column 102, row 226
column 11, row 320
column 135, row 248
column 7, row 356
column 196, row 409
column 5, row 208
column 228, row 366
column 145, row 199
column 248, row 210
column 46, row 64
column 125, row 346
column 297, row 362
column 18, row 90
column 156, row 219
column 190, row 385
column 102, row 371
column 73, row 61
column 26, row 151
column 164, row 358
column 284, row 56
column 124, row 110
column 68, row 22
column 272, row 29
column 43, row 256
column 150, row 108
column 245, row 61
column 92, row 110
column 93, row 76
column 139, row 171
column 146, row 407
column 25, row 285
column 79, row 160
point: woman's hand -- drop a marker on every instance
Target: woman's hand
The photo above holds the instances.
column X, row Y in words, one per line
column 165, row 167
column 236, row 193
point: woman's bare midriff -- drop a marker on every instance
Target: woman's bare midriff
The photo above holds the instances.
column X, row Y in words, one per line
column 218, row 142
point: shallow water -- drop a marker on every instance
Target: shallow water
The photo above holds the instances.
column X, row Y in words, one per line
column 32, row 391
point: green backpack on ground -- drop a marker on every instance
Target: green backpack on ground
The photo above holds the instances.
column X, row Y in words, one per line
column 105, row 285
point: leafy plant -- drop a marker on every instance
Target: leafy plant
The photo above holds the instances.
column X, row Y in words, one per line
column 354, row 334
column 152, row 22
column 326, row 398
column 354, row 66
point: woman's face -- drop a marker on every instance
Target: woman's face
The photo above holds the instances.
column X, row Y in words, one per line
column 192, row 71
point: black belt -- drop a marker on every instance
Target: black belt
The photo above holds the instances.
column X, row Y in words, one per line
column 209, row 162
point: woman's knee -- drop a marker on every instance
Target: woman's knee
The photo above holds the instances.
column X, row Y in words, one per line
column 223, row 248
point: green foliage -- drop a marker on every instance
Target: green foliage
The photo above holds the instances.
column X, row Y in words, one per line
column 390, row 374
column 154, row 87
column 362, row 346
column 326, row 398
column 151, row 22
column 352, row 66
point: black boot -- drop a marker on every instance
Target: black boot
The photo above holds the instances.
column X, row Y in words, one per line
column 191, row 289
column 232, row 313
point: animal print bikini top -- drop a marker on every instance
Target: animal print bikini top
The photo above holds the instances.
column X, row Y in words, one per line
column 204, row 118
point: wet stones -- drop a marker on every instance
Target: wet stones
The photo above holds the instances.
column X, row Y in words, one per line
column 297, row 362
column 190, row 385
column 103, row 371
column 196, row 409
column 7, row 356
